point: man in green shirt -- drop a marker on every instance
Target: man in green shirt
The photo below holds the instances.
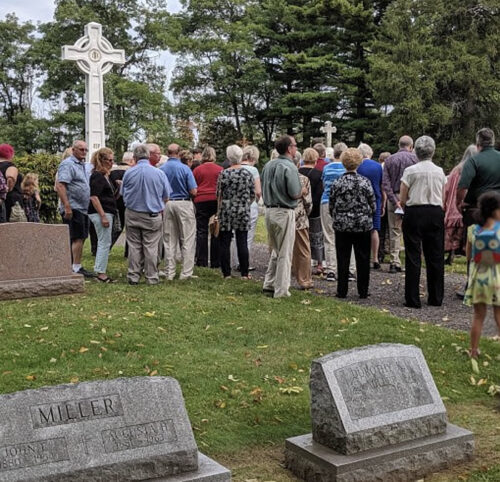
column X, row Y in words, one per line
column 481, row 172
column 280, row 190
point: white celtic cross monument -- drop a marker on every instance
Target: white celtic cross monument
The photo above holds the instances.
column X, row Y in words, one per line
column 94, row 56
column 328, row 129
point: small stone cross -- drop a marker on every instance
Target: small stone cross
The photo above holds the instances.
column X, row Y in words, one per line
column 328, row 129
column 94, row 55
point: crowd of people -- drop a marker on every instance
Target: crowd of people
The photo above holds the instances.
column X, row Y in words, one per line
column 329, row 212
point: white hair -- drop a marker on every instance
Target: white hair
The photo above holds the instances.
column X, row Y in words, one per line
column 234, row 154
column 425, row 148
column 366, row 150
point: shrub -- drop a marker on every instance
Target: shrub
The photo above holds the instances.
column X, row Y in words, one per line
column 45, row 165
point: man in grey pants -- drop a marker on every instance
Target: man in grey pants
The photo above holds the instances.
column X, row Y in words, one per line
column 280, row 190
column 145, row 190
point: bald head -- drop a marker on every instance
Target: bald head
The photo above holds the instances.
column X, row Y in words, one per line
column 173, row 150
column 80, row 149
column 405, row 142
column 154, row 153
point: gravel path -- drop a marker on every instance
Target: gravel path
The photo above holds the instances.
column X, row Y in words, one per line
column 387, row 292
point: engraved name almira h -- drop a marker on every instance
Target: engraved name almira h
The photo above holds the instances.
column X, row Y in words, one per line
column 94, row 55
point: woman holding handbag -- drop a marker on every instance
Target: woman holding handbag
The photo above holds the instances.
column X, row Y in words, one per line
column 236, row 192
column 205, row 203
column 102, row 209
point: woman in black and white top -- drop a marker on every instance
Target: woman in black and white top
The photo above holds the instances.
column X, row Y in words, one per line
column 352, row 205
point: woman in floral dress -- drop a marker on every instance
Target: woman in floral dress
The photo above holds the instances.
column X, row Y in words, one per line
column 235, row 194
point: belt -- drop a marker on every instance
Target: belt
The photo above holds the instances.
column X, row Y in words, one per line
column 278, row 206
column 183, row 199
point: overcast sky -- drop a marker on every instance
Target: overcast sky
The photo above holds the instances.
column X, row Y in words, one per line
column 43, row 10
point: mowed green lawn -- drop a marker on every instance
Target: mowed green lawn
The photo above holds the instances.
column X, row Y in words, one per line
column 241, row 358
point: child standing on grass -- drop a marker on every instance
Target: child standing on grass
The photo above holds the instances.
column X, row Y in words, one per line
column 483, row 253
column 31, row 197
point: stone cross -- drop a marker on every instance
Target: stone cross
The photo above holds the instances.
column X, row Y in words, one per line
column 328, row 129
column 94, row 55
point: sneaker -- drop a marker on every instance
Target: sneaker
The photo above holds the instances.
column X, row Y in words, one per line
column 133, row 283
column 85, row 273
column 162, row 274
column 352, row 277
column 331, row 276
column 376, row 265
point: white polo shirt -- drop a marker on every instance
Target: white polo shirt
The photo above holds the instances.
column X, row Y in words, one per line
column 425, row 182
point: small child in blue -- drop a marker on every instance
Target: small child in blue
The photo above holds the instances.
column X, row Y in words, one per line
column 483, row 253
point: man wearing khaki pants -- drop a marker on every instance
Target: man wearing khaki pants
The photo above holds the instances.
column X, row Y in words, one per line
column 179, row 223
column 280, row 190
column 394, row 167
column 145, row 189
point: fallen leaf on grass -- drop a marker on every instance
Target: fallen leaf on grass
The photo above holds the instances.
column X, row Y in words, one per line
column 95, row 342
column 44, row 328
column 280, row 380
column 83, row 349
column 262, row 347
column 291, row 390
column 53, row 360
column 220, row 404
column 153, row 373
column 475, row 366
column 74, row 380
column 30, row 378
column 232, row 378
column 306, row 302
column 150, row 314
column 27, row 326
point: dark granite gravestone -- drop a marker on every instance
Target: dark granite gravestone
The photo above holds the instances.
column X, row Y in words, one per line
column 118, row 430
column 35, row 260
column 376, row 415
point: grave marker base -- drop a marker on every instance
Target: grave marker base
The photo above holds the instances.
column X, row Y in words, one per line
column 208, row 471
column 27, row 288
column 407, row 461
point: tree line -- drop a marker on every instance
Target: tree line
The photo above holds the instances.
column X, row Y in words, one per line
column 249, row 70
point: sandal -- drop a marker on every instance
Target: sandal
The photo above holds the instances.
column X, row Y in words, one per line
column 105, row 280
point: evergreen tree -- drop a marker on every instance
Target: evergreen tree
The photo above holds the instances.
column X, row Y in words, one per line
column 435, row 69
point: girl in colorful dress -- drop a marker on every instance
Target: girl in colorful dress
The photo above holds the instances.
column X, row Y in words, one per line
column 483, row 253
column 31, row 197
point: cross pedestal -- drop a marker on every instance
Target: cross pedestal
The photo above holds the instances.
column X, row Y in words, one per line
column 94, row 56
column 328, row 129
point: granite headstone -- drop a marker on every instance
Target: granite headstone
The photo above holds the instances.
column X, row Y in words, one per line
column 376, row 412
column 118, row 430
column 35, row 260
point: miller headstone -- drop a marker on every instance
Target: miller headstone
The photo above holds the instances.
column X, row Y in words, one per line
column 35, row 260
column 376, row 415
column 118, row 430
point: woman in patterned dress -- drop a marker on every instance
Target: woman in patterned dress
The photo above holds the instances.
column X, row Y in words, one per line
column 236, row 191
column 352, row 206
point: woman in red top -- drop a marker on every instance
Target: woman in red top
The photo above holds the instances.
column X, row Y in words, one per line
column 205, row 202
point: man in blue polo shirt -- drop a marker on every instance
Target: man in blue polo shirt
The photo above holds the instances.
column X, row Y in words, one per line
column 145, row 189
column 179, row 221
column 74, row 192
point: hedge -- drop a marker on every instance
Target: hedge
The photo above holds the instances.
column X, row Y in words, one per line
column 45, row 165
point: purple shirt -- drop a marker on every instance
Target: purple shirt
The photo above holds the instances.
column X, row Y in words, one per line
column 394, row 167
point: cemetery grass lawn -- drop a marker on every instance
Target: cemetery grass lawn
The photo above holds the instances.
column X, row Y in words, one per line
column 242, row 359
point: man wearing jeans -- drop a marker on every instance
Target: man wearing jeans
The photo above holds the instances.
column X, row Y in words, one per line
column 74, row 192
column 280, row 189
column 394, row 167
column 145, row 189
